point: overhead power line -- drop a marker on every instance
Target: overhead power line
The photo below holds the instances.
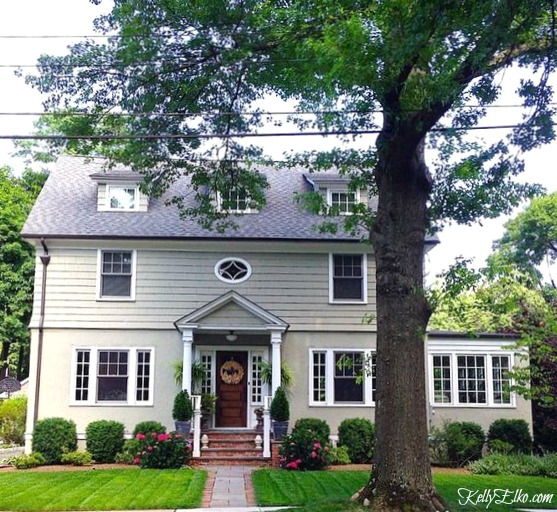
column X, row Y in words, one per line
column 242, row 135
column 241, row 113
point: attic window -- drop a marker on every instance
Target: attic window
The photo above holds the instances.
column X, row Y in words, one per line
column 234, row 200
column 122, row 197
column 233, row 270
column 342, row 199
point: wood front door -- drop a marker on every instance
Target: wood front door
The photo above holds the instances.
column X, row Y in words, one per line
column 232, row 378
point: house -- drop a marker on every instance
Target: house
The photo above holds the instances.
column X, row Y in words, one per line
column 124, row 290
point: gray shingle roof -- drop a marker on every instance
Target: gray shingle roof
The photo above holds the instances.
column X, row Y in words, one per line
column 67, row 208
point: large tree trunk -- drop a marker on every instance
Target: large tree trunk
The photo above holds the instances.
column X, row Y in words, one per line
column 401, row 478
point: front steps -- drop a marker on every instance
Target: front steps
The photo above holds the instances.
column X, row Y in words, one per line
column 231, row 447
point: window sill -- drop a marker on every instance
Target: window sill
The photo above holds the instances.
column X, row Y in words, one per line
column 475, row 406
column 115, row 299
column 360, row 406
column 109, row 404
column 348, row 302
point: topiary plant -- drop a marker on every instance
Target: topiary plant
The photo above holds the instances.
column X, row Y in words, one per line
column 512, row 432
column 104, row 440
column 53, row 437
column 358, row 435
column 280, row 409
column 183, row 408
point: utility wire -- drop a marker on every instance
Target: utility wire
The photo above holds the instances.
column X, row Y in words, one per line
column 242, row 135
column 240, row 113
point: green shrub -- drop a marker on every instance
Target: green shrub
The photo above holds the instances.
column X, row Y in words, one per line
column 302, row 450
column 129, row 451
column 517, row 464
column 183, row 408
column 13, row 412
column 146, row 427
column 104, row 439
column 29, row 461
column 438, row 454
column 498, row 446
column 320, row 428
column 280, row 410
column 162, row 451
column 465, row 440
column 358, row 435
column 513, row 432
column 53, row 437
column 77, row 458
column 339, row 456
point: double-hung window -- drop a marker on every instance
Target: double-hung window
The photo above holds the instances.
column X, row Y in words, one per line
column 342, row 377
column 116, row 275
column 112, row 376
column 348, row 278
column 471, row 379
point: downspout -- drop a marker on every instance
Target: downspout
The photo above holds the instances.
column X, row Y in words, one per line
column 45, row 260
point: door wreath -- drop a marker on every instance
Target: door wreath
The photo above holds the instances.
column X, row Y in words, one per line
column 232, row 372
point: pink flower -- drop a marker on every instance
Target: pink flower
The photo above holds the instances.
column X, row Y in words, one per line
column 178, row 436
column 316, row 446
column 137, row 460
column 327, row 448
column 313, row 455
column 149, row 448
column 161, row 437
column 154, row 435
column 140, row 436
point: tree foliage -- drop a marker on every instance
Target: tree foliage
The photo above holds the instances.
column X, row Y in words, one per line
column 530, row 237
column 191, row 78
column 17, row 266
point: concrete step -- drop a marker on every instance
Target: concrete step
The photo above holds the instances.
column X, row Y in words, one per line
column 231, row 461
column 231, row 452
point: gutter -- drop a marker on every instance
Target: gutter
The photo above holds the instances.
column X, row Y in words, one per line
column 45, row 260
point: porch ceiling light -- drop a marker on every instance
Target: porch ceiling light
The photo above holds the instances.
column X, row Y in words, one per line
column 231, row 336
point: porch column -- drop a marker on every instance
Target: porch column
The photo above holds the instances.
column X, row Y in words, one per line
column 187, row 339
column 276, row 341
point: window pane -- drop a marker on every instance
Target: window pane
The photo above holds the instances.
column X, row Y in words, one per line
column 122, row 198
column 348, row 384
column 116, row 286
column 319, row 382
column 442, row 379
column 112, row 380
column 116, row 274
column 82, row 376
column 348, row 276
column 471, row 379
column 501, row 379
column 143, row 375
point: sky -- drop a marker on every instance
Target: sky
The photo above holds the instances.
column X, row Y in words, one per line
column 75, row 17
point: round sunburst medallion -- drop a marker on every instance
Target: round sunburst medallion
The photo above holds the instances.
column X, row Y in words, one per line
column 232, row 372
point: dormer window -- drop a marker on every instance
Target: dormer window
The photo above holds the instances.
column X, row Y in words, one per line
column 122, row 197
column 343, row 200
column 234, row 200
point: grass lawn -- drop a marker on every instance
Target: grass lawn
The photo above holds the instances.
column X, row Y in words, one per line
column 328, row 491
column 106, row 489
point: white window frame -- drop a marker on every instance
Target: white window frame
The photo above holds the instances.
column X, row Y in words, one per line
column 342, row 190
column 116, row 298
column 93, row 376
column 332, row 299
column 226, row 260
column 112, row 186
column 369, row 399
column 235, row 211
column 488, row 356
